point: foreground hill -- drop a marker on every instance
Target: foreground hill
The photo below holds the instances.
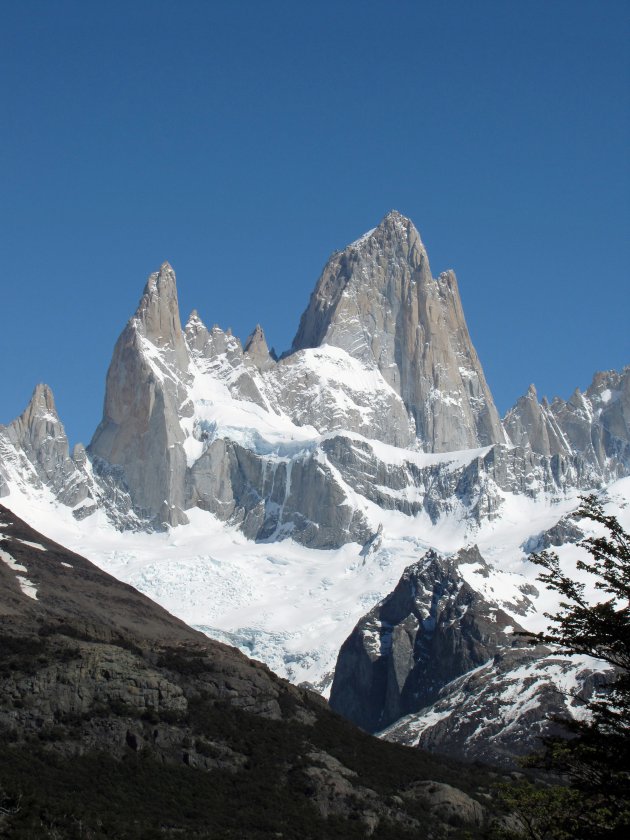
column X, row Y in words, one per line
column 117, row 720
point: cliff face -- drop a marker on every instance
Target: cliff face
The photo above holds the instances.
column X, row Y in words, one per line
column 438, row 665
column 378, row 301
column 431, row 629
column 145, row 401
column 594, row 425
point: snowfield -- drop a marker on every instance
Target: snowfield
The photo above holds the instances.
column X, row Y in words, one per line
column 291, row 606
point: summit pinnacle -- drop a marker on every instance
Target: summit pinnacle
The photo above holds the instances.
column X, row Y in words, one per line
column 378, row 301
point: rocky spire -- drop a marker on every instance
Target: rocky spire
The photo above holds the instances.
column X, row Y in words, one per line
column 145, row 399
column 257, row 349
column 39, row 436
column 157, row 316
column 533, row 424
column 378, row 301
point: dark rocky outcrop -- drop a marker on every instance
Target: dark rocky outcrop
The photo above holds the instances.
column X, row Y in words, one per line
column 436, row 665
column 501, row 711
column 432, row 628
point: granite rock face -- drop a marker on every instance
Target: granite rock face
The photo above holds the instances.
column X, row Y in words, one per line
column 271, row 499
column 533, row 425
column 432, row 628
column 257, row 349
column 146, row 396
column 36, row 446
column 378, row 301
column 594, row 425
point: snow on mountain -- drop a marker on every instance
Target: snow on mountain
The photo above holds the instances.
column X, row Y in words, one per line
column 274, row 503
column 501, row 709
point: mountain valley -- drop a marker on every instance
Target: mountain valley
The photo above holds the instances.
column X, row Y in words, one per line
column 354, row 514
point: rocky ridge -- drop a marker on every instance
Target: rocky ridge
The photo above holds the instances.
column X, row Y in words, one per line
column 382, row 354
column 595, row 425
column 436, row 664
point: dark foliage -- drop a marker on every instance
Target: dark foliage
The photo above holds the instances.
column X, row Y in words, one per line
column 594, row 758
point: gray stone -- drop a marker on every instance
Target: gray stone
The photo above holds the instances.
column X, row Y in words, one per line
column 146, row 395
column 378, row 301
column 594, row 425
column 35, row 444
column 431, row 629
column 502, row 710
column 257, row 350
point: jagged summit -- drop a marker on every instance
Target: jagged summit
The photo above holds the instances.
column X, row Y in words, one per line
column 144, row 399
column 37, row 438
column 393, row 226
column 257, row 349
column 157, row 316
column 594, row 423
column 378, row 301
column 42, row 401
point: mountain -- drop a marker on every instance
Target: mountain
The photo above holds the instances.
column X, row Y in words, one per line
column 438, row 664
column 378, row 301
column 116, row 719
column 595, row 424
column 274, row 503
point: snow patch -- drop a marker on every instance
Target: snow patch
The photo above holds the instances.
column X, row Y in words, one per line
column 27, row 586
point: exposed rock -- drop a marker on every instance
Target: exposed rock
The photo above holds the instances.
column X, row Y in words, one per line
column 448, row 804
column 272, row 497
column 220, row 355
column 378, row 301
column 502, row 710
column 533, row 425
column 594, row 425
column 432, row 628
column 145, row 398
column 35, row 444
column 256, row 348
column 564, row 531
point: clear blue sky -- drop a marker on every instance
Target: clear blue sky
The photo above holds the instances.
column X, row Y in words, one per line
column 245, row 141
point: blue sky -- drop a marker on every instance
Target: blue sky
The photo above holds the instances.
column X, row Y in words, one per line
column 245, row 141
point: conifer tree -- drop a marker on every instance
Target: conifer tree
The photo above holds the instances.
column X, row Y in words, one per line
column 594, row 758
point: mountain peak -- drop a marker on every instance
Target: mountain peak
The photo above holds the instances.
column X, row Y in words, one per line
column 256, row 347
column 42, row 400
column 157, row 316
column 377, row 300
column 397, row 220
column 161, row 283
column 392, row 232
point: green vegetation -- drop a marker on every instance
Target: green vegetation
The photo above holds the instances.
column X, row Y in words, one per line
column 593, row 762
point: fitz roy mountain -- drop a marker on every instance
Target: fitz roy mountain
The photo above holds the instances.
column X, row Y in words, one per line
column 355, row 513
